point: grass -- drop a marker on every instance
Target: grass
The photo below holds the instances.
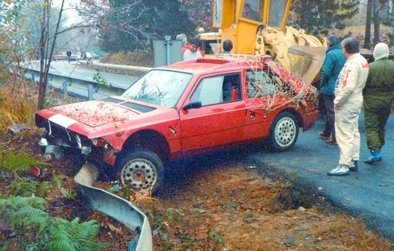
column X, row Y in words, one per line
column 17, row 103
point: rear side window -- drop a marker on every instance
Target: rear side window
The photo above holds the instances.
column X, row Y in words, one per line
column 259, row 83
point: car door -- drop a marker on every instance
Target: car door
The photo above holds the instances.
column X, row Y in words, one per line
column 262, row 98
column 221, row 117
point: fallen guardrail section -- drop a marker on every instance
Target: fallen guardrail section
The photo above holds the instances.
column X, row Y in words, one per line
column 115, row 207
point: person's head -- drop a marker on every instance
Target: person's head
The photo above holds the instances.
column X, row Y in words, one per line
column 350, row 46
column 182, row 37
column 333, row 40
column 380, row 51
column 247, row 9
column 195, row 43
column 227, row 45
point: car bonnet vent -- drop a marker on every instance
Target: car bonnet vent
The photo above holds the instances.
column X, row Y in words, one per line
column 138, row 107
column 112, row 100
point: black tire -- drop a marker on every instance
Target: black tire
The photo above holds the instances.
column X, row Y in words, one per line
column 284, row 132
column 140, row 170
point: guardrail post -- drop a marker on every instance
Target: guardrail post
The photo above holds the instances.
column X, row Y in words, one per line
column 90, row 92
column 167, row 43
column 65, row 85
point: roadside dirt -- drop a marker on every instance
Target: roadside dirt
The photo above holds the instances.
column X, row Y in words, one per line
column 214, row 204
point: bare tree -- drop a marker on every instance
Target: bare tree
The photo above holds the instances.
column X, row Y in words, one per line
column 374, row 13
column 45, row 57
column 367, row 37
column 47, row 44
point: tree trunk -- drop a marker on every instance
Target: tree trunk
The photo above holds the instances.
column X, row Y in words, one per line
column 46, row 52
column 368, row 21
column 42, row 86
column 376, row 22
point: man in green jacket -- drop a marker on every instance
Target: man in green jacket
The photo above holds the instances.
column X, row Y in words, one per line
column 378, row 98
column 332, row 66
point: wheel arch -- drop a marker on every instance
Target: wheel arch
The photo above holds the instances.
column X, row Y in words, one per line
column 295, row 113
column 148, row 140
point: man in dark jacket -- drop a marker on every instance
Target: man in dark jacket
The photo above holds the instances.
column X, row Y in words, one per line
column 332, row 66
column 378, row 98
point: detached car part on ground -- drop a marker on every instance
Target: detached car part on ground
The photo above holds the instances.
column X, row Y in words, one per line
column 115, row 207
column 182, row 109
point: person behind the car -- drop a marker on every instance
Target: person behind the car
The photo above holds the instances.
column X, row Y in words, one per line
column 347, row 104
column 332, row 66
column 227, row 47
column 68, row 54
column 378, row 97
column 192, row 50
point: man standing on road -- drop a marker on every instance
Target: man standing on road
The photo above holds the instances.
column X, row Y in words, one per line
column 332, row 66
column 378, row 98
column 68, row 54
column 347, row 104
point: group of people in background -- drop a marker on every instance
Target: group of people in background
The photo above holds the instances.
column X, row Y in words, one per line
column 191, row 49
column 348, row 83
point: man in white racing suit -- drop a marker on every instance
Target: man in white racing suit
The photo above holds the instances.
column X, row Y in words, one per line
column 347, row 104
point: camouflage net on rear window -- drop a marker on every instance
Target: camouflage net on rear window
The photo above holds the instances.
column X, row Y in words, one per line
column 277, row 85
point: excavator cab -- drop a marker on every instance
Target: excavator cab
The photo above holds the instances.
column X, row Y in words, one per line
column 258, row 27
column 240, row 19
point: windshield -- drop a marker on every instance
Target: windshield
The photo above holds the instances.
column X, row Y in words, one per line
column 159, row 87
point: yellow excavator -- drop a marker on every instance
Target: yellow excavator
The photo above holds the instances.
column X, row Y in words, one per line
column 259, row 27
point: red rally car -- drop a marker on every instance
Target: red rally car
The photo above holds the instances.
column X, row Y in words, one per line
column 182, row 109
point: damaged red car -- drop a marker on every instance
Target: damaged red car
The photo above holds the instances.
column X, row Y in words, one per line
column 182, row 109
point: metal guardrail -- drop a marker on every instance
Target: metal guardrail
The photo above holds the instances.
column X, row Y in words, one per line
column 85, row 88
column 127, row 69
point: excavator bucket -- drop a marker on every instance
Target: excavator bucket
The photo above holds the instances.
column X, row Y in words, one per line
column 307, row 62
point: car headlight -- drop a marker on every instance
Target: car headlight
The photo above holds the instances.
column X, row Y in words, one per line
column 79, row 142
column 100, row 143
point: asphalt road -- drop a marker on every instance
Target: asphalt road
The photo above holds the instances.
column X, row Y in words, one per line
column 368, row 193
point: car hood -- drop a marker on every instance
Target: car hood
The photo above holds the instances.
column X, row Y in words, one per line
column 96, row 113
column 100, row 118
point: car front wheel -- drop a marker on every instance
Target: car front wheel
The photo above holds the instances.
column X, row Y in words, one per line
column 284, row 132
column 141, row 170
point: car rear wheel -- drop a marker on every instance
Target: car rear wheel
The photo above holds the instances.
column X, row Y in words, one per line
column 141, row 170
column 284, row 132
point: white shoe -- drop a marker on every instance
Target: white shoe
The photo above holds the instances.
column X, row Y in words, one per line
column 340, row 170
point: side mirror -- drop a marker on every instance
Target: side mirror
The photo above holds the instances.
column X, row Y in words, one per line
column 192, row 105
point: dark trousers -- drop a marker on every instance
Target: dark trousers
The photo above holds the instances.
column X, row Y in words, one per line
column 377, row 110
column 328, row 101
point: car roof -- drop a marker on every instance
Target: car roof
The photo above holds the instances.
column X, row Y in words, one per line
column 216, row 64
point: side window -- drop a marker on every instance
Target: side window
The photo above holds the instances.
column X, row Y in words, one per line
column 218, row 89
column 231, row 87
column 252, row 9
column 259, row 84
column 209, row 91
column 277, row 12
